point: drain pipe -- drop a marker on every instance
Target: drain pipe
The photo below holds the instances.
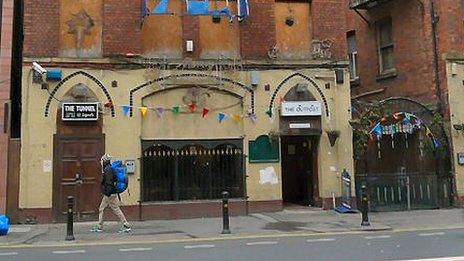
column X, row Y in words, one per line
column 435, row 20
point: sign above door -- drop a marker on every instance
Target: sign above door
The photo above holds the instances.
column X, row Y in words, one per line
column 77, row 111
column 301, row 108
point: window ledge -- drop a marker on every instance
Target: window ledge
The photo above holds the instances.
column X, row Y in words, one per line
column 355, row 82
column 390, row 74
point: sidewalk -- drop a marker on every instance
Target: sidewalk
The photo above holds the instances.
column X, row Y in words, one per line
column 289, row 221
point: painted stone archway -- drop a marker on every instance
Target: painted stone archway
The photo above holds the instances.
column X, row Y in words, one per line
column 402, row 155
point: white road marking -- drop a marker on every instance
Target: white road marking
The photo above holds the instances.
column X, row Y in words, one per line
column 321, row 240
column 377, row 237
column 262, row 243
column 135, row 249
column 431, row 234
column 199, row 246
column 9, row 254
column 61, row 252
column 455, row 258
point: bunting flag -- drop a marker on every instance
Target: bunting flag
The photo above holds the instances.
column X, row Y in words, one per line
column 159, row 111
column 192, row 107
column 109, row 105
column 281, row 100
column 176, row 109
column 125, row 110
column 143, row 111
column 253, row 118
column 144, row 12
column 204, row 112
column 269, row 113
column 237, row 118
column 222, row 117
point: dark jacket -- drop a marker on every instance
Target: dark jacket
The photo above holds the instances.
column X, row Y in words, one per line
column 108, row 179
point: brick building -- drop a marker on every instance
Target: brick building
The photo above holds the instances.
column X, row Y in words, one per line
column 196, row 100
column 397, row 51
column 9, row 100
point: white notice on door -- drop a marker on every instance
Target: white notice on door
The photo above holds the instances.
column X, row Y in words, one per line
column 47, row 166
column 300, row 125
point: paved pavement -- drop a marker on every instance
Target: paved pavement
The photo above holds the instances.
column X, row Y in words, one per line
column 290, row 222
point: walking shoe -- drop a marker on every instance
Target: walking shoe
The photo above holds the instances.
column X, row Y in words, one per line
column 125, row 229
column 96, row 229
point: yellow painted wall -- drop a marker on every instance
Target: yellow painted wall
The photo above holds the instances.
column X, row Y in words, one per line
column 123, row 134
column 455, row 76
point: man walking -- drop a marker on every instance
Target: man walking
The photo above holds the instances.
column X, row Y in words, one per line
column 110, row 198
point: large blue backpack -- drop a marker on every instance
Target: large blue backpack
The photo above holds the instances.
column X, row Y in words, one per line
column 120, row 174
column 4, row 225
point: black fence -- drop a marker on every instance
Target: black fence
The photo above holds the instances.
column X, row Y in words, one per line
column 192, row 172
column 405, row 191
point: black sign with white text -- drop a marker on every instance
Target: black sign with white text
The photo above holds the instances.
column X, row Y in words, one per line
column 79, row 111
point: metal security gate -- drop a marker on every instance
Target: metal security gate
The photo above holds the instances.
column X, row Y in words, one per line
column 192, row 170
column 405, row 191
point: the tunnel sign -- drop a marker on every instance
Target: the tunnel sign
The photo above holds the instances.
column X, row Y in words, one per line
column 79, row 111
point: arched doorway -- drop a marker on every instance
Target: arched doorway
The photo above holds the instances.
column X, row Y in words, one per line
column 300, row 133
column 78, row 147
column 401, row 155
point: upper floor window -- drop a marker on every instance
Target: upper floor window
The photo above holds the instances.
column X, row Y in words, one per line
column 385, row 46
column 353, row 55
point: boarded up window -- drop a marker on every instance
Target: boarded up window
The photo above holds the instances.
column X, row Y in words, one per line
column 293, row 30
column 81, row 28
column 162, row 34
column 219, row 39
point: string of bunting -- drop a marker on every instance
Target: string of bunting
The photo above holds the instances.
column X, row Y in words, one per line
column 177, row 109
column 400, row 122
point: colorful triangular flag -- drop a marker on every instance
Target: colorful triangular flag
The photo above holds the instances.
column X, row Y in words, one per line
column 143, row 111
column 269, row 113
column 125, row 110
column 222, row 117
column 253, row 118
column 176, row 109
column 159, row 111
column 237, row 118
column 192, row 107
column 204, row 112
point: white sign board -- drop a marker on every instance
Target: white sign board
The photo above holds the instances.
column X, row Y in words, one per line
column 301, row 108
column 300, row 125
column 47, row 166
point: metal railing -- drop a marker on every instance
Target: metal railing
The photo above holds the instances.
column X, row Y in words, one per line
column 405, row 191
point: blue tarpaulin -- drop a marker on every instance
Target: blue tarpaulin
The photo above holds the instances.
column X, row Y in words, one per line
column 243, row 9
column 198, row 7
column 161, row 8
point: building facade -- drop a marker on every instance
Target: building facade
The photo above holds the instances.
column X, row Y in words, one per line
column 194, row 100
column 398, row 72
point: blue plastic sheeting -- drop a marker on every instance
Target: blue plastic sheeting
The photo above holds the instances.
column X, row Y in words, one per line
column 161, row 8
column 344, row 210
column 243, row 9
column 222, row 12
column 4, row 225
column 198, row 7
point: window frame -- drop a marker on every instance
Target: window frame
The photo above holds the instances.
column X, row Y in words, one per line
column 353, row 57
column 382, row 47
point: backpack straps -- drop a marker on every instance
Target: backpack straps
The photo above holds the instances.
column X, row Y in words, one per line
column 119, row 196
